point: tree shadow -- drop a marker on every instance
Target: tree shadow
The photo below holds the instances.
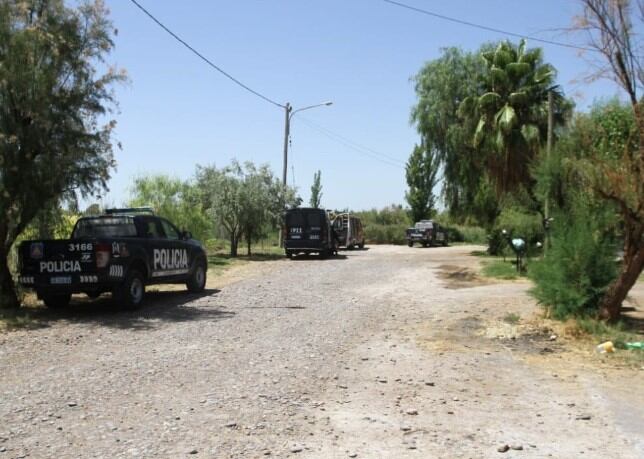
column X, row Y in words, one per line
column 159, row 307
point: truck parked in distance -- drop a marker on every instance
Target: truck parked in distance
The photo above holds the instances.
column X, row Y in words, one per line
column 427, row 233
column 349, row 231
column 119, row 252
column 308, row 230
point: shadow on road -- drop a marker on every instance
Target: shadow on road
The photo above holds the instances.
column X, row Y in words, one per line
column 158, row 308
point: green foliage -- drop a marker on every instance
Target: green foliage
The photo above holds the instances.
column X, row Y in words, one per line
column 512, row 318
column 468, row 234
column 520, row 223
column 510, row 110
column 579, row 265
column 385, row 226
column 420, row 172
column 244, row 200
column 55, row 135
column 316, row 190
column 175, row 199
column 441, row 85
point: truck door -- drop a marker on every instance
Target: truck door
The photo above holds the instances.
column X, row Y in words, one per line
column 173, row 256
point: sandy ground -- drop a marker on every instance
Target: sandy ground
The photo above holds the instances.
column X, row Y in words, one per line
column 391, row 352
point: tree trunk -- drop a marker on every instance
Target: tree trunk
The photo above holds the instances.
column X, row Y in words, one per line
column 610, row 307
column 233, row 244
column 8, row 298
column 248, row 241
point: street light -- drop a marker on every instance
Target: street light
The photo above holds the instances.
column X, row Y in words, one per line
column 289, row 112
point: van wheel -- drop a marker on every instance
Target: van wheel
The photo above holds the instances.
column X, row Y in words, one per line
column 57, row 301
column 197, row 281
column 130, row 293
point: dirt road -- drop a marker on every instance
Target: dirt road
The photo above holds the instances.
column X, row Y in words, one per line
column 390, row 352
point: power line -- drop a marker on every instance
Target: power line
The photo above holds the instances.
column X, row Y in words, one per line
column 205, row 59
column 489, row 29
column 365, row 151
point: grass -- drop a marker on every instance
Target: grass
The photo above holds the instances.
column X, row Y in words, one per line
column 15, row 319
column 500, row 269
column 618, row 333
column 512, row 318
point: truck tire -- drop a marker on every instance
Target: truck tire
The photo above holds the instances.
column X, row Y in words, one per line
column 130, row 293
column 289, row 254
column 57, row 301
column 410, row 244
column 197, row 281
column 361, row 245
column 425, row 244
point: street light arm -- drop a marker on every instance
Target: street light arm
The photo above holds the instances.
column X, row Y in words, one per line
column 293, row 112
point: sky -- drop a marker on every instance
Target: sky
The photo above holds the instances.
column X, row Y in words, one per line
column 176, row 112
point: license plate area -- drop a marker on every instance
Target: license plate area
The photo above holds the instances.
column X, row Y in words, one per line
column 60, row 280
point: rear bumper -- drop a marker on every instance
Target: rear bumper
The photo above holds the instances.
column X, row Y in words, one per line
column 68, row 283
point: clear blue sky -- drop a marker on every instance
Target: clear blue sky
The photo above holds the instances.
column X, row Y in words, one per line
column 177, row 112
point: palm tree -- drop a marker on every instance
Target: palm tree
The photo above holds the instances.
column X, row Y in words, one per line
column 512, row 111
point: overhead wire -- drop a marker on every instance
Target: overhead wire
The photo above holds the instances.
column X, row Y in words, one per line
column 205, row 59
column 358, row 148
column 484, row 27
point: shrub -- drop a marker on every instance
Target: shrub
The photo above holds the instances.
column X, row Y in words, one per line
column 579, row 265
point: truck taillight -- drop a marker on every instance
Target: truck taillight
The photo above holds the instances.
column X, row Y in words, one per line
column 102, row 255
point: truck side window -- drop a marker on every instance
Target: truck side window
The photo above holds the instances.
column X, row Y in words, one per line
column 150, row 228
column 170, row 231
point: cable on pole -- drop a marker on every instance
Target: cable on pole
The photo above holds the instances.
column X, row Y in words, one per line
column 489, row 29
column 204, row 58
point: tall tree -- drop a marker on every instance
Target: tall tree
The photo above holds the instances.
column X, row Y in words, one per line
column 511, row 111
column 441, row 85
column 316, row 190
column 421, row 171
column 609, row 26
column 53, row 101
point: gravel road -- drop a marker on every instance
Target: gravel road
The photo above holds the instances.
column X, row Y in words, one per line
column 391, row 352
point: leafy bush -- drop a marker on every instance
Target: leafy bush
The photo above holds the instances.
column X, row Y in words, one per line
column 579, row 265
column 385, row 226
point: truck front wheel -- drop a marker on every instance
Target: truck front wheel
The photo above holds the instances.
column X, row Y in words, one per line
column 130, row 293
column 57, row 301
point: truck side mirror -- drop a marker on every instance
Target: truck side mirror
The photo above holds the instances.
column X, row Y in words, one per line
column 186, row 235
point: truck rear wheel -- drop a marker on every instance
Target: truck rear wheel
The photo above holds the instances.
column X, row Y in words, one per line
column 130, row 293
column 57, row 301
column 410, row 244
column 197, row 281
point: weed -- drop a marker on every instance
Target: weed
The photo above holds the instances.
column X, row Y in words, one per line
column 512, row 318
column 500, row 270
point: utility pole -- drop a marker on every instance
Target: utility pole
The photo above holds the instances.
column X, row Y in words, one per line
column 288, row 114
column 549, row 143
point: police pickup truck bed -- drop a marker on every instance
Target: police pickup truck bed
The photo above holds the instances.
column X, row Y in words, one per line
column 120, row 252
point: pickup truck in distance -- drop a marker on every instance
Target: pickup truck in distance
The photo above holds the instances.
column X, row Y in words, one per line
column 119, row 252
column 426, row 232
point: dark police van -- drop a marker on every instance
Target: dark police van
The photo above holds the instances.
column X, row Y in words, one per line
column 309, row 230
column 119, row 252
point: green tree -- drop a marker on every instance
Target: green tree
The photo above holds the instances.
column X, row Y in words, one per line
column 511, row 111
column 441, row 85
column 175, row 199
column 243, row 200
column 316, row 190
column 420, row 171
column 53, row 101
column 609, row 24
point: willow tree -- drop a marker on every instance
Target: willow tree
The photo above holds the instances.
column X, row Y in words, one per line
column 511, row 111
column 55, row 132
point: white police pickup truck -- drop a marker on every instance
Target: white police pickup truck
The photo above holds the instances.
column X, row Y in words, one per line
column 119, row 252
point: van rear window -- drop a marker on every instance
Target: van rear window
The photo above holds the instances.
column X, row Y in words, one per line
column 304, row 219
